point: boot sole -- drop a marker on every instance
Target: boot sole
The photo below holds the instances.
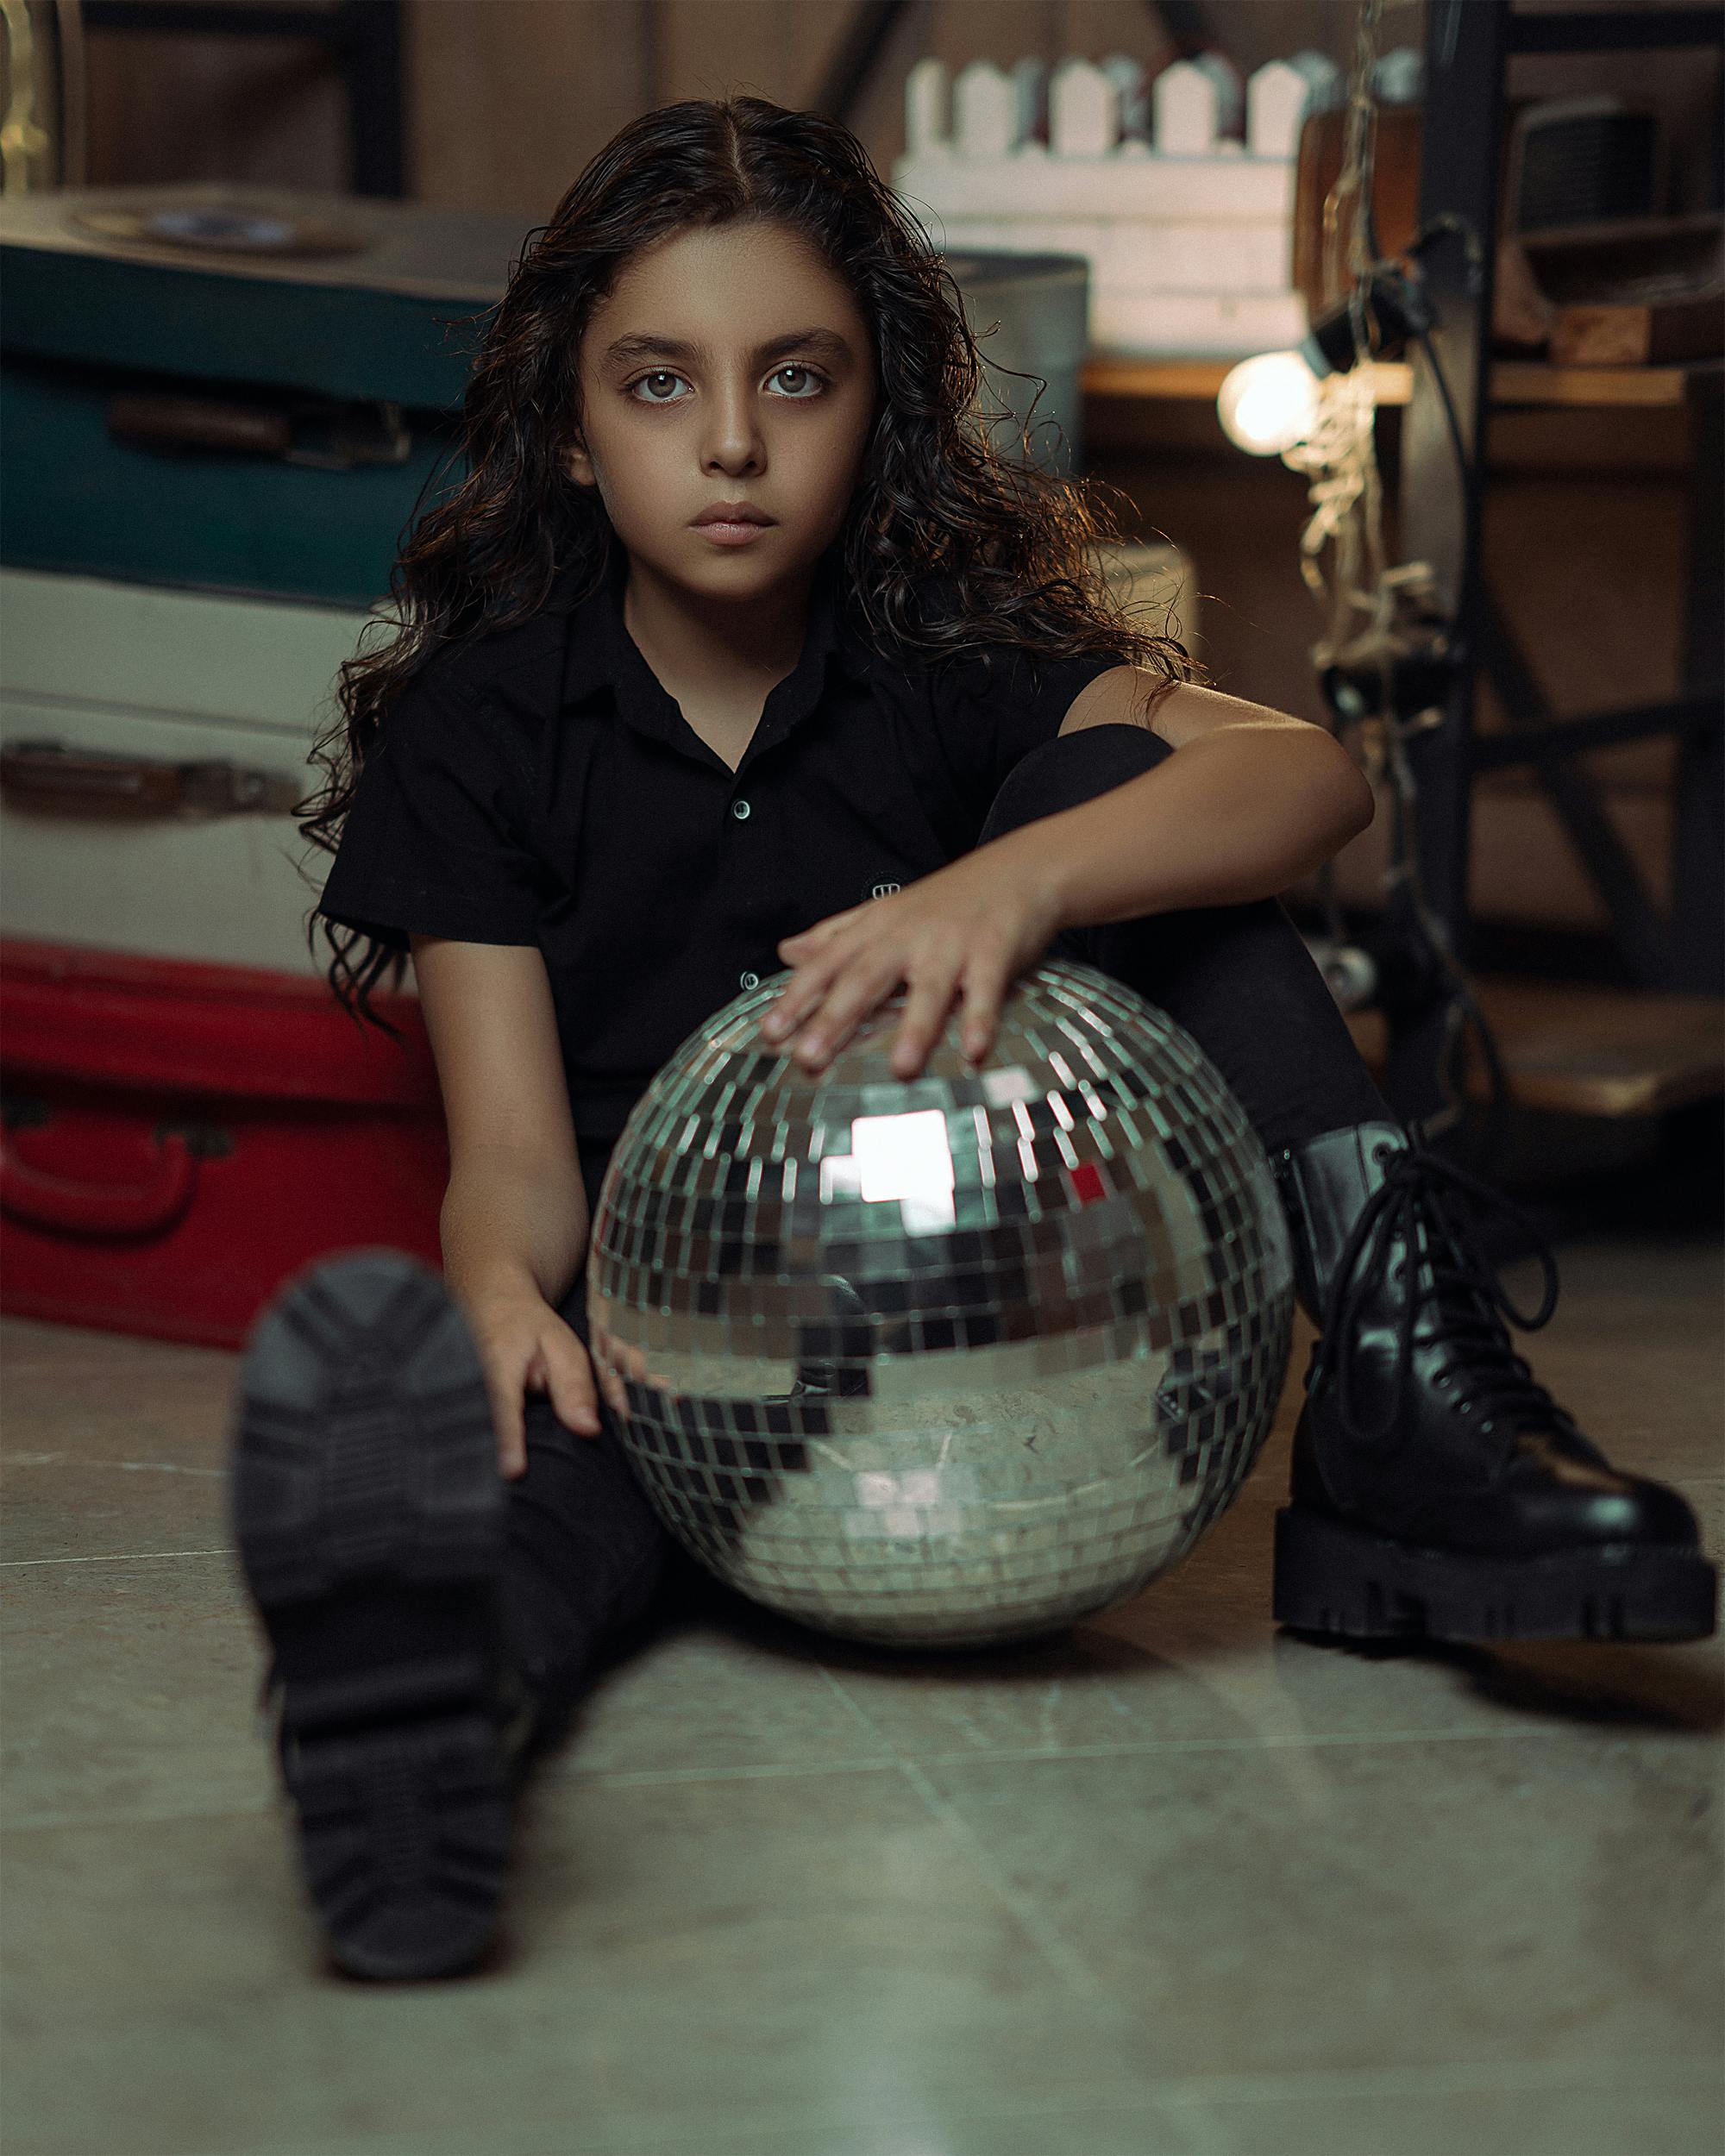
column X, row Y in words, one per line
column 1344, row 1582
column 365, row 1457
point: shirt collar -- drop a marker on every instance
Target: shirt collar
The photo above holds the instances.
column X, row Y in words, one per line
column 599, row 653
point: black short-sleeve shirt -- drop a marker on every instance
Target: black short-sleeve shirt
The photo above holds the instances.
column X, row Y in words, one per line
column 539, row 786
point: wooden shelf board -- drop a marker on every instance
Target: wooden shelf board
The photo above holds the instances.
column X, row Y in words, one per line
column 1589, row 1051
column 1533, row 382
column 1512, row 382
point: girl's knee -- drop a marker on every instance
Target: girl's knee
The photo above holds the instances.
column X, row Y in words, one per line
column 1072, row 767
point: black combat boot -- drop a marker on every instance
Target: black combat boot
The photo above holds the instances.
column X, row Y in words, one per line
column 1437, row 1489
column 368, row 1511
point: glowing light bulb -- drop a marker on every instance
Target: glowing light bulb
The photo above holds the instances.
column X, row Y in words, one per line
column 1268, row 403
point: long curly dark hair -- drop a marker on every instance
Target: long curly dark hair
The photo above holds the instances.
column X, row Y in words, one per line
column 949, row 544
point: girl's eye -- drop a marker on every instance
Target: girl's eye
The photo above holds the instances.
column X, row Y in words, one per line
column 794, row 382
column 809, row 375
column 659, row 374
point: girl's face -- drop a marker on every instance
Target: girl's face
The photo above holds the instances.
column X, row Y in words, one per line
column 729, row 365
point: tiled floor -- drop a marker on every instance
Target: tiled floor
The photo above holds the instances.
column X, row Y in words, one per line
column 1177, row 1883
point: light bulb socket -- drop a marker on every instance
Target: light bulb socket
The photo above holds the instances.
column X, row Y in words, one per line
column 1413, row 682
column 1396, row 309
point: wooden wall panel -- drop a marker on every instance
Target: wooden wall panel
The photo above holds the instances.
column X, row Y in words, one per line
column 267, row 110
column 508, row 99
column 763, row 48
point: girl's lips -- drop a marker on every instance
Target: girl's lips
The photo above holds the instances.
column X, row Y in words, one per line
column 738, row 535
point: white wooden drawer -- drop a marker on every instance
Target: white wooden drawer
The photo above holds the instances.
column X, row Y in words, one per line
column 166, row 676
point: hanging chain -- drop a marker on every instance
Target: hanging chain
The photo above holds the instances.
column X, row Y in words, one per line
column 1341, row 548
column 1373, row 613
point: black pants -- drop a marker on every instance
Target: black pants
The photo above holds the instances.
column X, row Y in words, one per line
column 586, row 1554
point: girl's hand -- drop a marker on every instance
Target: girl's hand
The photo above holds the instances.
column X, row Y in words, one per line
column 526, row 1347
column 633, row 1362
column 964, row 934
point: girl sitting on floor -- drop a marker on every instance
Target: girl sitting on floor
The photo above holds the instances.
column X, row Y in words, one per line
column 739, row 646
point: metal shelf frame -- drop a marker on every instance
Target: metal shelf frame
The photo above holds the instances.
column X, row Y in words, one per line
column 1469, row 44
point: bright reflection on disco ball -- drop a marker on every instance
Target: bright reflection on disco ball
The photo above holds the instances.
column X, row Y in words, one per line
column 951, row 1361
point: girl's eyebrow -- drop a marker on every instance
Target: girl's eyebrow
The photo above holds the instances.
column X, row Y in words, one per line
column 647, row 345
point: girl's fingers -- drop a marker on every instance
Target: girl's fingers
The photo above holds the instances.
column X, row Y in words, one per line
column 853, row 996
column 781, row 1015
column 983, row 997
column 634, row 1365
column 621, row 1361
column 573, row 1394
column 798, row 996
column 817, row 963
column 507, row 1418
column 924, row 1021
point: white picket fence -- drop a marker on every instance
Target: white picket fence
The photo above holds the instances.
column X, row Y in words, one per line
column 1179, row 191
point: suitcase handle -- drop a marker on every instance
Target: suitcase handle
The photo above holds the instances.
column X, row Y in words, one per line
column 62, row 1206
column 47, row 776
column 330, row 435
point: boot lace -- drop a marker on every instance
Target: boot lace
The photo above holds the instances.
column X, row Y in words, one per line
column 1466, row 1288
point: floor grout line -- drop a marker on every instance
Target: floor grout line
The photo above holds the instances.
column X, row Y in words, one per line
column 1018, row 1755
column 855, row 1707
column 122, row 1556
column 1061, row 1956
column 14, row 1462
column 1056, row 1950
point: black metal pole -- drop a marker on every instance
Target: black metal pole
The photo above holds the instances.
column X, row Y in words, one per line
column 375, row 162
column 1442, row 469
column 1699, row 858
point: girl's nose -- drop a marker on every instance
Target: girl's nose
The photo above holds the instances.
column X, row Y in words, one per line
column 734, row 436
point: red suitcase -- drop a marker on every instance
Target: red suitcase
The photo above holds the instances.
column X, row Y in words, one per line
column 178, row 1137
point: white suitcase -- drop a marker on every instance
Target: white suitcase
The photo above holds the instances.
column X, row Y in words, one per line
column 190, row 717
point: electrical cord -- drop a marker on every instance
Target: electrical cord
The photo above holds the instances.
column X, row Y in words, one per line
column 1410, row 964
column 1463, row 463
column 1463, row 1000
column 1421, row 319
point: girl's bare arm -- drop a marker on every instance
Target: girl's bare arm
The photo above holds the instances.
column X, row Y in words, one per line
column 515, row 1215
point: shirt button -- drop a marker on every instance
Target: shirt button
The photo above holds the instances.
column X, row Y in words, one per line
column 740, row 811
column 748, row 980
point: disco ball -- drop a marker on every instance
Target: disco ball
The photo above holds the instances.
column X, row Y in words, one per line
column 949, row 1361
